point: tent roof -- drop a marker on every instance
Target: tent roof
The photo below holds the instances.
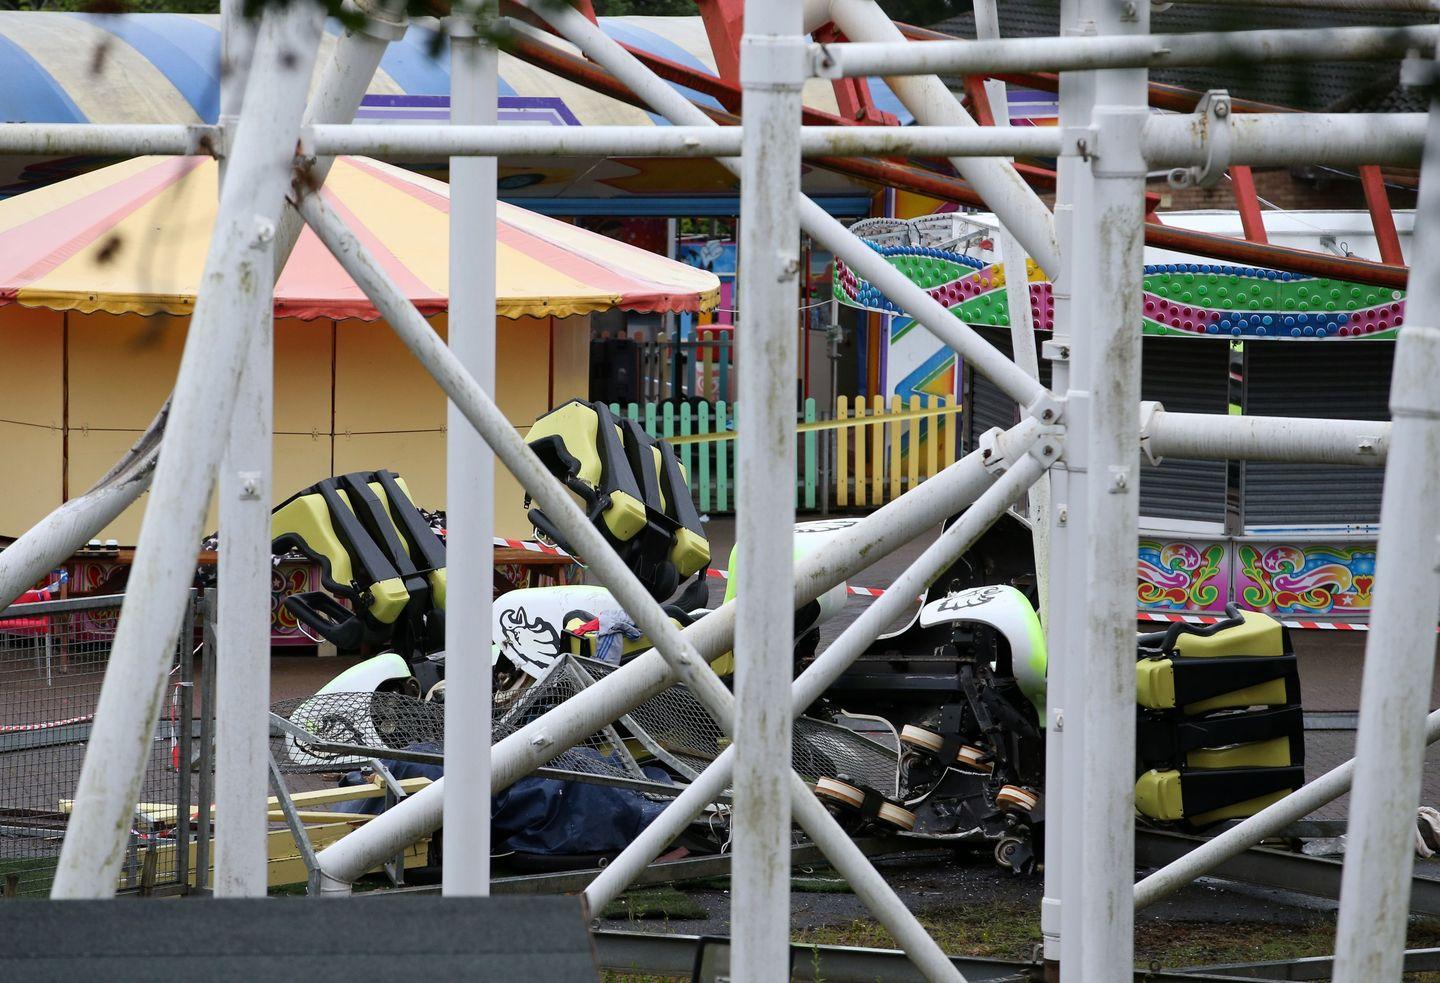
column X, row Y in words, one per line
column 132, row 238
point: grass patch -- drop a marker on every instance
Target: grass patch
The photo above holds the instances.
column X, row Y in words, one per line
column 651, row 903
column 33, row 875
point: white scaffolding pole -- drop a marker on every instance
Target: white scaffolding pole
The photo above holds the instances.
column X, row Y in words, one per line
column 821, row 674
column 470, row 474
column 1400, row 650
column 772, row 71
column 1063, row 613
column 932, row 103
column 1105, row 52
column 250, row 207
column 242, row 654
column 672, row 141
column 1016, row 263
column 1105, row 388
column 821, row 226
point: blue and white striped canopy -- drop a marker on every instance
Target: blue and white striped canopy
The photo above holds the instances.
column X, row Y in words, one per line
column 164, row 68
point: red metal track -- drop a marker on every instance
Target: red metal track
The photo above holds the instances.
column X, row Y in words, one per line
column 1247, row 201
column 947, row 188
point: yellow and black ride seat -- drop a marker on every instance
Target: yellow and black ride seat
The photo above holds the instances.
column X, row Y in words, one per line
column 375, row 550
column 1220, row 733
column 631, row 487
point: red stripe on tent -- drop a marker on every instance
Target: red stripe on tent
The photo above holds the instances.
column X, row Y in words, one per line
column 59, row 234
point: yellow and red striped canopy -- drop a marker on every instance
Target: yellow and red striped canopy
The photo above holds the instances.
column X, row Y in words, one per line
column 132, row 238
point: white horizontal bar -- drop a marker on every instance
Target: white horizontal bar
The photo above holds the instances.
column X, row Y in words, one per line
column 430, row 141
column 1171, row 141
column 1139, row 51
column 1279, row 139
column 1218, row 437
column 110, row 139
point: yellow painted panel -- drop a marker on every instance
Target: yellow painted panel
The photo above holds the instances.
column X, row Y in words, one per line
column 418, row 457
column 33, row 490
column 510, row 521
column 302, row 376
column 300, row 460
column 522, row 368
column 122, row 366
column 379, row 387
column 570, row 360
column 94, row 452
column 32, row 347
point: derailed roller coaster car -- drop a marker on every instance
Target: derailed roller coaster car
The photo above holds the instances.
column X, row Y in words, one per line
column 376, row 551
column 631, row 487
column 1220, row 732
column 963, row 683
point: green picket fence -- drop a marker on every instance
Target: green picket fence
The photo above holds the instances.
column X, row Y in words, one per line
column 909, row 444
column 703, row 437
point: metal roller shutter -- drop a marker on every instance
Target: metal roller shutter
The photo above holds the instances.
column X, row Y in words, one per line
column 1348, row 380
column 1187, row 375
column 988, row 406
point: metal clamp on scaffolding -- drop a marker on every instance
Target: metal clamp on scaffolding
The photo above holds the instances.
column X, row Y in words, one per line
column 1213, row 124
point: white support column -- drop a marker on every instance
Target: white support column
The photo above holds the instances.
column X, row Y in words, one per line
column 242, row 663
column 205, row 392
column 1400, row 650
column 935, row 105
column 772, row 70
column 470, row 475
column 1105, row 362
column 1022, row 324
column 1066, row 560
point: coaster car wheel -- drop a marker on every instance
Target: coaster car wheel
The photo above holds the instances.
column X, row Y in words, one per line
column 897, row 816
column 842, row 794
column 1013, row 798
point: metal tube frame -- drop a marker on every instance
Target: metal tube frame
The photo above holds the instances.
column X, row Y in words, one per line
column 1099, row 254
column 470, row 470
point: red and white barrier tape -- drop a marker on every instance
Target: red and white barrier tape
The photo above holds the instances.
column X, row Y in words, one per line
column 530, row 546
column 47, row 725
column 1207, row 619
column 858, row 591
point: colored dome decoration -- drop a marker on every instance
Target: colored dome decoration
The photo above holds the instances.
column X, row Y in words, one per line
column 1180, row 298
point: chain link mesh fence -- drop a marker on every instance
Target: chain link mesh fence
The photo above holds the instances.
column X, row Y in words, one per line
column 53, row 656
column 336, row 732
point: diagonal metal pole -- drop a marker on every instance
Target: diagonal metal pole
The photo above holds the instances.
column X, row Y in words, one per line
column 1014, row 202
column 510, row 447
column 772, row 70
column 250, row 207
column 56, row 537
column 470, row 472
column 825, row 670
column 819, row 224
column 1400, row 650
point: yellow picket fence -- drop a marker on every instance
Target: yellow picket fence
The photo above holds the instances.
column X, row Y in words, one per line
column 881, row 453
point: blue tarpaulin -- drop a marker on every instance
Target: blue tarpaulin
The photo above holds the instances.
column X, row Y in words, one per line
column 544, row 816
